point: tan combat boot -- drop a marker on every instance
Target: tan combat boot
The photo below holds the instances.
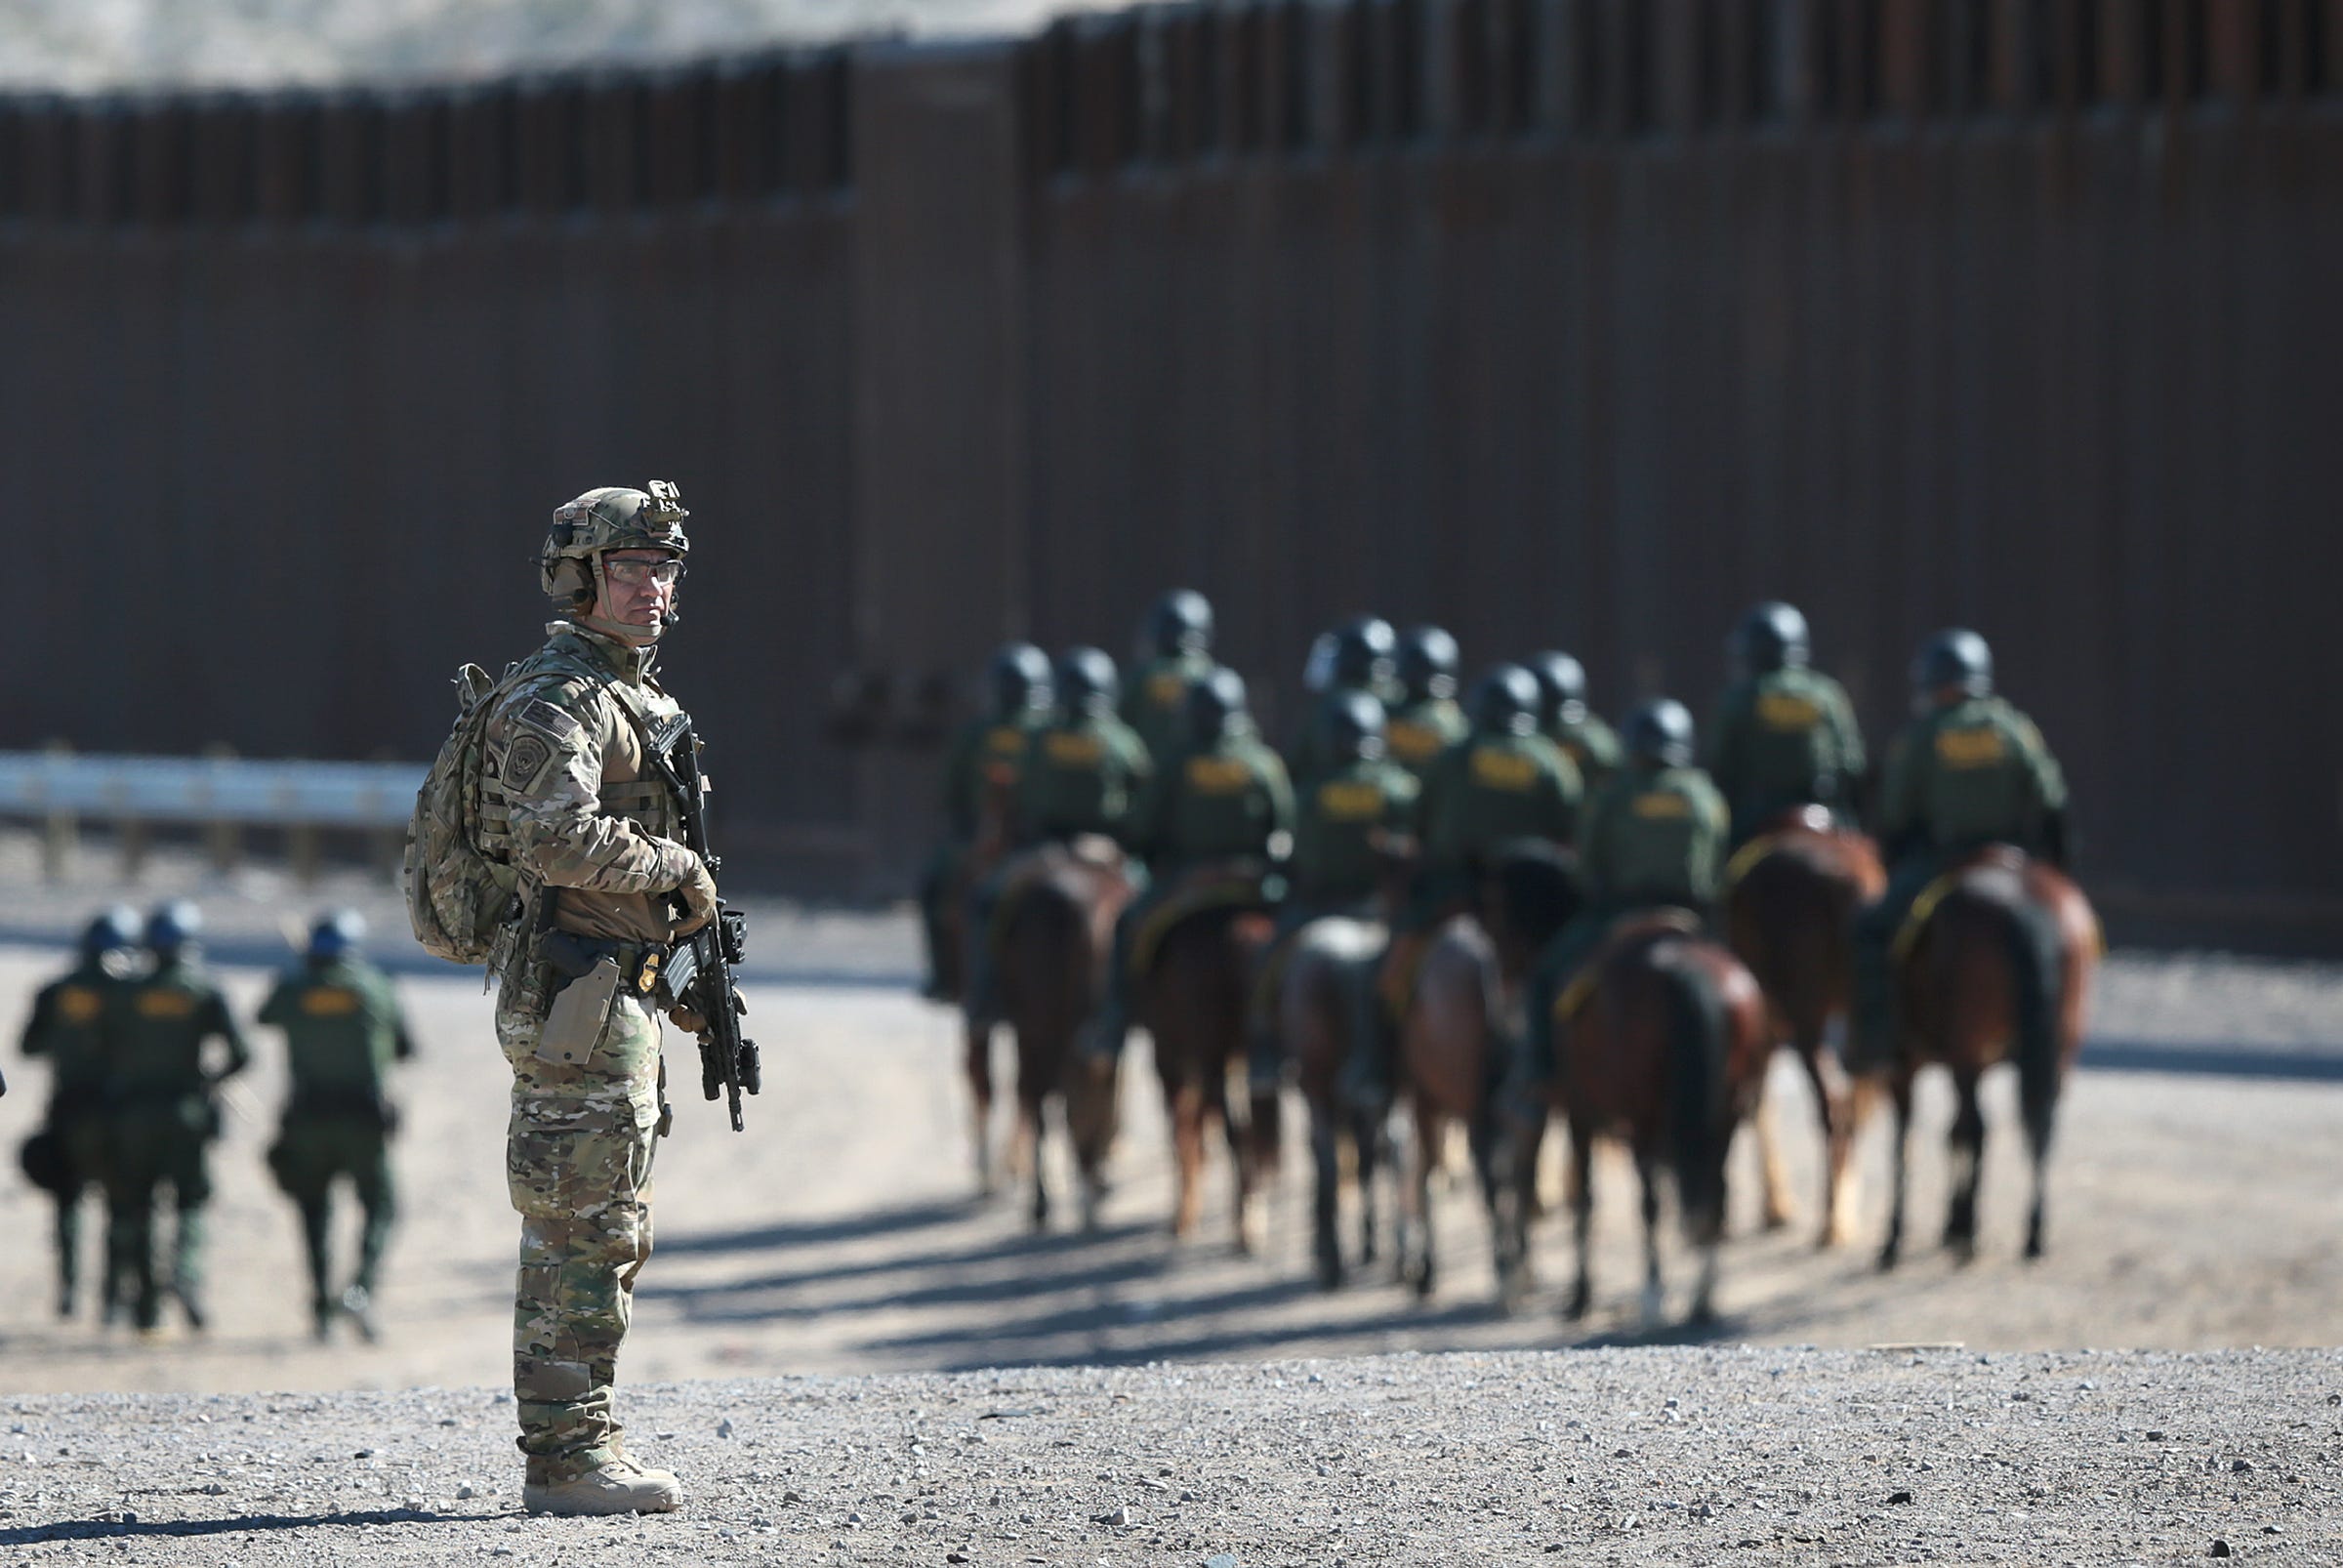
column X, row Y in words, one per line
column 618, row 1485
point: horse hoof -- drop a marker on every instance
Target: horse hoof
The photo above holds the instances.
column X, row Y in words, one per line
column 2034, row 1249
column 1329, row 1273
column 1580, row 1301
column 1888, row 1256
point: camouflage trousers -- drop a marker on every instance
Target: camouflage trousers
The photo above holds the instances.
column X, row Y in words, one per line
column 578, row 1168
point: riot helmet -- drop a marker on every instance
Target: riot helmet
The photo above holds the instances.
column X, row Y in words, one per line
column 1216, row 706
column 1365, row 648
column 1771, row 636
column 113, row 931
column 1088, row 682
column 1351, row 724
column 336, row 934
column 1660, row 733
column 1180, row 622
column 1427, row 663
column 1017, row 678
column 1504, row 701
column 1956, row 657
column 569, row 566
column 1561, row 689
column 174, row 927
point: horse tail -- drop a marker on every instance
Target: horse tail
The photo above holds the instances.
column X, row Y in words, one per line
column 2034, row 942
column 1700, row 1043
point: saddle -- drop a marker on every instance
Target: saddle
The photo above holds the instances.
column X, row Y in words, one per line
column 1800, row 822
column 1029, row 868
column 1636, row 926
column 1201, row 889
column 2006, row 860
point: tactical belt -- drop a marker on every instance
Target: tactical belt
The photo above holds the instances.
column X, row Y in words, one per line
column 639, row 964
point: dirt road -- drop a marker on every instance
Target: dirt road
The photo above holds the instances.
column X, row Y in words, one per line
column 2191, row 1208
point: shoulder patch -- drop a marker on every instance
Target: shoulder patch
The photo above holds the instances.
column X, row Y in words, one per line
column 555, row 725
column 526, row 760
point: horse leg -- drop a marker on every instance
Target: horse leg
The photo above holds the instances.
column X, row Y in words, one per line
column 977, row 1061
column 1969, row 1159
column 1581, row 1211
column 2039, row 1108
column 1899, row 1100
column 1367, row 1140
column 1091, row 1125
column 1325, row 1201
column 1187, row 1157
column 1431, row 1150
column 1245, row 1154
column 1030, row 1126
column 1781, row 1211
column 1835, row 1106
column 1655, row 1296
column 1705, row 1226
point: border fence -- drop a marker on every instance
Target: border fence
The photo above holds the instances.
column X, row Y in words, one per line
column 1575, row 322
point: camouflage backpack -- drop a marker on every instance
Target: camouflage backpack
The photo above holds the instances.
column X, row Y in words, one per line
column 458, row 895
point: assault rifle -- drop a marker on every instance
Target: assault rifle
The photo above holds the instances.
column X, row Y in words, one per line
column 699, row 971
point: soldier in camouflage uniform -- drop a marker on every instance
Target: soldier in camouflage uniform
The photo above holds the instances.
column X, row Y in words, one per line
column 1084, row 775
column 1358, row 658
column 571, row 797
column 1655, row 839
column 1564, row 718
column 982, row 769
column 1223, row 810
column 162, row 1113
column 1970, row 771
column 1428, row 719
column 68, row 1027
column 1175, row 652
column 1784, row 736
column 1344, row 825
column 343, row 1030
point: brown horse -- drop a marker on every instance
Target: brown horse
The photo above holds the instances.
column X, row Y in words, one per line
column 1450, row 1061
column 1320, row 1013
column 1192, row 1002
column 1789, row 905
column 986, row 851
column 1668, row 1051
column 1052, row 942
column 1999, row 971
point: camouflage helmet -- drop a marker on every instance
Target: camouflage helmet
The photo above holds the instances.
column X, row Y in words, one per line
column 569, row 566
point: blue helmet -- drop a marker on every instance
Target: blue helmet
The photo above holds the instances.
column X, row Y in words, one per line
column 336, row 933
column 174, row 926
column 112, row 931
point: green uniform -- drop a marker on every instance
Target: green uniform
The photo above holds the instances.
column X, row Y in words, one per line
column 1655, row 839
column 343, row 1030
column 1154, row 700
column 1420, row 731
column 985, row 755
column 68, row 1026
column 1339, row 824
column 1086, row 774
column 1781, row 740
column 594, row 838
column 1487, row 791
column 1589, row 743
column 1973, row 772
column 161, row 1120
column 1311, row 756
column 1217, row 804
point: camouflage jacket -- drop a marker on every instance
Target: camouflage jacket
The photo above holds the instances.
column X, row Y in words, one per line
column 569, row 786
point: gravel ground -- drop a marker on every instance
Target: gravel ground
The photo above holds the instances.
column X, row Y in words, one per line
column 1692, row 1456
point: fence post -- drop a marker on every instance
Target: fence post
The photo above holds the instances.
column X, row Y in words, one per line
column 222, row 840
column 61, row 831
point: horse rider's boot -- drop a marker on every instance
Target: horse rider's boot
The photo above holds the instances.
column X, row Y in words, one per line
column 617, row 1485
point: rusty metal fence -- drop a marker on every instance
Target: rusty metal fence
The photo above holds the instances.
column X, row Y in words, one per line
column 1575, row 322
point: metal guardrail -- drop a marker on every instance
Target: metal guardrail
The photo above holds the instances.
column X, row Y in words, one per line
column 209, row 790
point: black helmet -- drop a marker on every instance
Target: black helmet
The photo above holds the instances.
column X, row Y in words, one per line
column 1561, row 687
column 1181, row 622
column 1086, row 680
column 1363, row 650
column 1215, row 704
column 111, row 931
column 1351, row 724
column 336, row 933
column 173, row 927
column 1771, row 636
column 1954, row 658
column 1660, row 732
column 1427, row 663
column 1018, row 677
column 1504, row 701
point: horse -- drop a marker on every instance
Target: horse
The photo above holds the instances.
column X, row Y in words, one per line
column 988, row 848
column 1998, row 968
column 1456, row 994
column 1051, row 949
column 1192, row 1002
column 1668, row 1051
column 1321, row 995
column 1789, row 903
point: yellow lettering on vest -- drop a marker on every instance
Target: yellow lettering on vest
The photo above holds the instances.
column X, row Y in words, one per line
column 166, row 1005
column 1662, row 805
column 1071, row 748
column 1350, row 801
column 1497, row 769
column 1217, row 775
column 329, row 1001
column 1787, row 712
column 1005, row 740
column 1412, row 742
column 1167, row 688
column 79, row 1004
column 1979, row 747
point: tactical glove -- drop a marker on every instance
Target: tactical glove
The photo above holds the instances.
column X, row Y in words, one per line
column 697, row 895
